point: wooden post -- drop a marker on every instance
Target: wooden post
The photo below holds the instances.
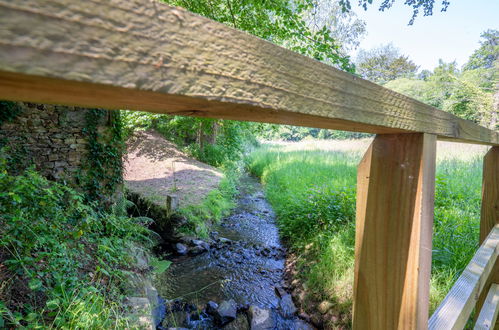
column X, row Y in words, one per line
column 490, row 193
column 395, row 198
column 490, row 211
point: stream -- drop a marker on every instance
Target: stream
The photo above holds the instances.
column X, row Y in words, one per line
column 234, row 280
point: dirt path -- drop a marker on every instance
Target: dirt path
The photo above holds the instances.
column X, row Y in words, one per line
column 155, row 168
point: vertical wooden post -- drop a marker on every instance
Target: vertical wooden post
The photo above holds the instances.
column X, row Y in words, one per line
column 395, row 198
column 490, row 193
column 490, row 212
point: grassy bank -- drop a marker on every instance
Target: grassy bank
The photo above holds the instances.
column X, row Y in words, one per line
column 217, row 204
column 63, row 263
column 312, row 189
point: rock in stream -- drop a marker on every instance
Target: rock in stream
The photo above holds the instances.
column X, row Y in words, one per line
column 234, row 280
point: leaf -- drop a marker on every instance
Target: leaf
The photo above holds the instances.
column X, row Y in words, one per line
column 160, row 266
column 52, row 304
column 35, row 284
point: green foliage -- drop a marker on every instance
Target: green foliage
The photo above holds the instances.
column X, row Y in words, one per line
column 488, row 52
column 280, row 21
column 103, row 166
column 416, row 5
column 313, row 194
column 216, row 142
column 383, row 64
column 466, row 94
column 8, row 111
column 67, row 261
column 298, row 133
column 216, row 205
column 456, row 222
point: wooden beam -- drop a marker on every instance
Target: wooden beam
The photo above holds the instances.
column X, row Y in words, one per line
column 490, row 210
column 490, row 193
column 142, row 54
column 395, row 197
column 456, row 308
column 488, row 313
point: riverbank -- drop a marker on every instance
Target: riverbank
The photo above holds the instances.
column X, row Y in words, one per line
column 238, row 272
column 311, row 186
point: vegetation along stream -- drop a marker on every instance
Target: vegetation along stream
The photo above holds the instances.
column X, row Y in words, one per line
column 234, row 280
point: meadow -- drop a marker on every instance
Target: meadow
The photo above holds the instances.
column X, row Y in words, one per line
column 311, row 186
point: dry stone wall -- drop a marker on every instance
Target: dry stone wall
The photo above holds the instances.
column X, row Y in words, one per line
column 51, row 137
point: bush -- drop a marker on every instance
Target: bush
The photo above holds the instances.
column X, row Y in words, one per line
column 62, row 262
column 313, row 194
column 217, row 204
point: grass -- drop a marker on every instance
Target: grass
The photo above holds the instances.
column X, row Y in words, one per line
column 63, row 263
column 217, row 204
column 311, row 186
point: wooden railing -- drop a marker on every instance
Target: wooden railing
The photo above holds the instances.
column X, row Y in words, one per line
column 454, row 312
column 141, row 54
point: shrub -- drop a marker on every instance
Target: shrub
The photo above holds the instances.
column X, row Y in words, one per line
column 61, row 261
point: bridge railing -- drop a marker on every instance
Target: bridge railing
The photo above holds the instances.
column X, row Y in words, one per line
column 455, row 310
column 142, row 54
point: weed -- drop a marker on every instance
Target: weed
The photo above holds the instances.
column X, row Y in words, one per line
column 313, row 193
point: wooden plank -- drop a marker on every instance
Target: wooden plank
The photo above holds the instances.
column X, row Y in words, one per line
column 141, row 54
column 490, row 209
column 395, row 197
column 456, row 308
column 490, row 193
column 488, row 313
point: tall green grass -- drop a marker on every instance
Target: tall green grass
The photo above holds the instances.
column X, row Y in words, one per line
column 313, row 194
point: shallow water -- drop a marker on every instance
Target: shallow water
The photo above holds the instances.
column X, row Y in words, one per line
column 245, row 262
column 247, row 268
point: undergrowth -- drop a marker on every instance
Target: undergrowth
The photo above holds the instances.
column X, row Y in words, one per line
column 63, row 264
column 216, row 205
column 313, row 194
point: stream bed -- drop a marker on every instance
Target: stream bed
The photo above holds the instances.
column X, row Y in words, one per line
column 234, row 280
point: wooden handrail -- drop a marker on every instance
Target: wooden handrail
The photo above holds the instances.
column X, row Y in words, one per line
column 456, row 308
column 142, row 54
column 488, row 314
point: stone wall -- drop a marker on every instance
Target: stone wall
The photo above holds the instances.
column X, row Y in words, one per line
column 51, row 137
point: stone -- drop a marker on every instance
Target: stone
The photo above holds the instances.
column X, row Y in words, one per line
column 141, row 312
column 280, row 292
column 211, row 307
column 287, row 306
column 201, row 244
column 224, row 240
column 196, row 250
column 175, row 319
column 53, row 157
column 302, row 325
column 181, row 249
column 240, row 323
column 304, row 316
column 324, row 307
column 260, row 319
column 61, row 164
column 226, row 312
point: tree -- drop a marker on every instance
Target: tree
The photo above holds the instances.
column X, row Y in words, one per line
column 384, row 63
column 426, row 5
column 282, row 22
column 345, row 27
column 488, row 52
column 294, row 24
column 483, row 67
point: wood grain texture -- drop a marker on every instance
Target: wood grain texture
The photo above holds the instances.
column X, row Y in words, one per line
column 488, row 313
column 395, row 197
column 162, row 59
column 456, row 308
column 490, row 193
column 490, row 210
